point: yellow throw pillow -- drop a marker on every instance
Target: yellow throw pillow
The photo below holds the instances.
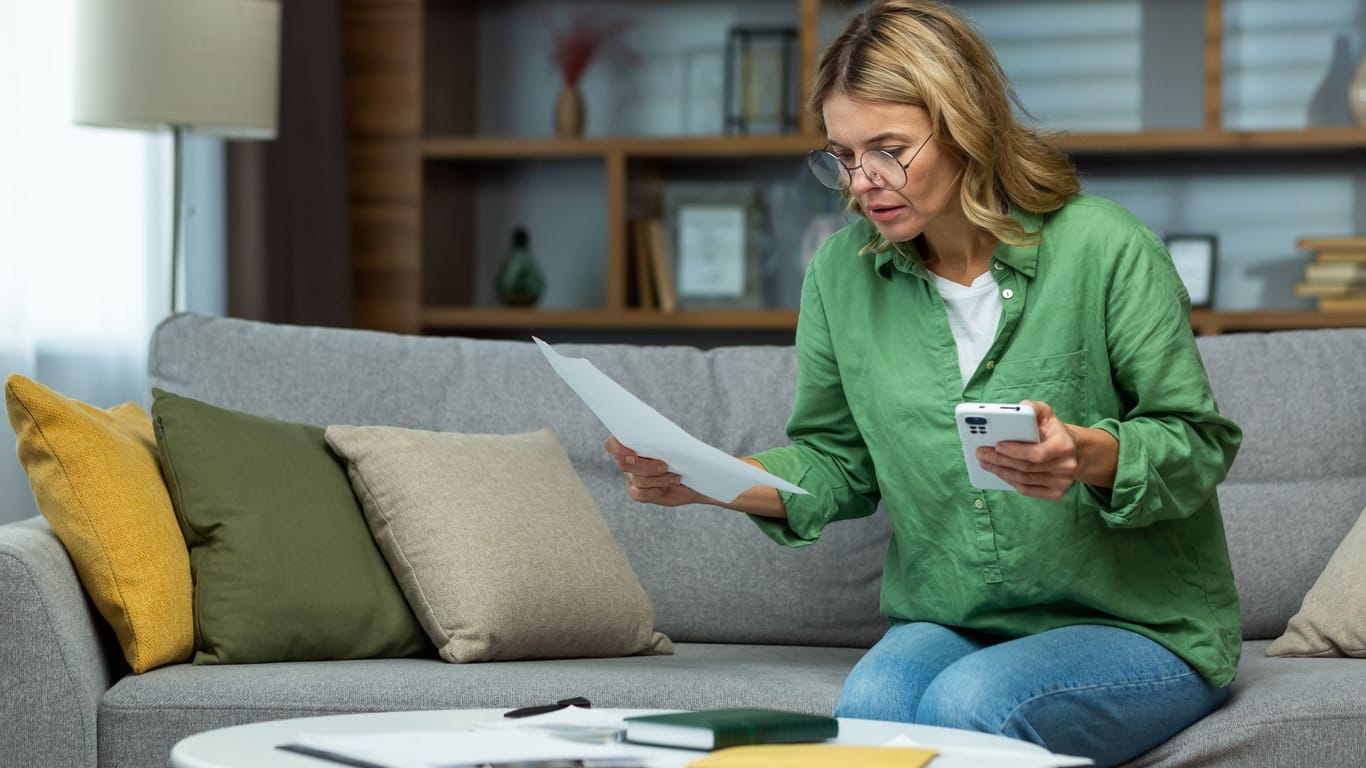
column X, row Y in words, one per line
column 96, row 477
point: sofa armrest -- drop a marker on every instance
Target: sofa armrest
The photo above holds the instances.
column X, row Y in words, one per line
column 55, row 661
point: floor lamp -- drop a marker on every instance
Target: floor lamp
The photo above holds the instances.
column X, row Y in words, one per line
column 199, row 66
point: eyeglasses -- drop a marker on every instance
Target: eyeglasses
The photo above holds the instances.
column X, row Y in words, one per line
column 880, row 166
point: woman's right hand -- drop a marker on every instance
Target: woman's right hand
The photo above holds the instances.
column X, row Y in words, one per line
column 649, row 480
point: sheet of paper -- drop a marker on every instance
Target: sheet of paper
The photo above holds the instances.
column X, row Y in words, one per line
column 574, row 723
column 449, row 749
column 706, row 469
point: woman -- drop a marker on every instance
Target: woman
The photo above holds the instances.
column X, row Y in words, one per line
column 1093, row 610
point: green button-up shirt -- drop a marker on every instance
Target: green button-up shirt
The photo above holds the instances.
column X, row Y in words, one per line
column 1096, row 324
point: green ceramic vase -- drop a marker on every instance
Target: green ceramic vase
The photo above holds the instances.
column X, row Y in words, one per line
column 520, row 281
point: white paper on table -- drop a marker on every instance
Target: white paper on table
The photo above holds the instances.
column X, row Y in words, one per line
column 707, row 470
column 435, row 749
column 1002, row 758
column 575, row 723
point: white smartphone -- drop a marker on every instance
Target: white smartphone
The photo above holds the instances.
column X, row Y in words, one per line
column 982, row 424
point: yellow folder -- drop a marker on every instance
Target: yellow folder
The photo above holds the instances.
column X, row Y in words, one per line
column 815, row 756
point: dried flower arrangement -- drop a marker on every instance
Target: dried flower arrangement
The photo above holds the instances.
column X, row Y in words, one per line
column 579, row 41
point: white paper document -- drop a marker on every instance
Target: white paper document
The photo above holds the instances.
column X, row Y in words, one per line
column 574, row 723
column 459, row 749
column 707, row 470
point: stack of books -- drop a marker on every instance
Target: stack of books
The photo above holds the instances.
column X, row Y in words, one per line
column 650, row 267
column 1336, row 276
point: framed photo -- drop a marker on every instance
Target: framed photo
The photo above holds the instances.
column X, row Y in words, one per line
column 1195, row 257
column 716, row 234
column 761, row 80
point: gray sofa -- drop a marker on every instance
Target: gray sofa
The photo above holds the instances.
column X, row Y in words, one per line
column 754, row 623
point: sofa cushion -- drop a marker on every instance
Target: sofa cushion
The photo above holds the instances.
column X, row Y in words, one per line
column 498, row 547
column 1291, row 712
column 283, row 565
column 97, row 479
column 1299, row 480
column 1332, row 621
column 710, row 573
column 142, row 717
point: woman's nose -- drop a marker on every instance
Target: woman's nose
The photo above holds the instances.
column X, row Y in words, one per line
column 860, row 181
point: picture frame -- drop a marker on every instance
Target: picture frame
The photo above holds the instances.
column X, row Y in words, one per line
column 715, row 233
column 761, row 80
column 1196, row 258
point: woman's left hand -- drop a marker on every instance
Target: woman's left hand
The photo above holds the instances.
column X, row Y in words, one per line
column 1045, row 469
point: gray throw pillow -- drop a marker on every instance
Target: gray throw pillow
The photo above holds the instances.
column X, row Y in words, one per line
column 497, row 545
column 1332, row 619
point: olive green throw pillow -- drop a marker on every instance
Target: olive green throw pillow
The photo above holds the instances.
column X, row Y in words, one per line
column 283, row 565
column 498, row 545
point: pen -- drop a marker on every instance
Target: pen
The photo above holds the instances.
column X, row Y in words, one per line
column 577, row 701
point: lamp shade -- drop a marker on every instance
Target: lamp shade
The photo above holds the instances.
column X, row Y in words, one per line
column 209, row 66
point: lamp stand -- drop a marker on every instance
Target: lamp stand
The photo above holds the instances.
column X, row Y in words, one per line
column 177, row 154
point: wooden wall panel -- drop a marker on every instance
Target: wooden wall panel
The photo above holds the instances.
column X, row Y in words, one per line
column 382, row 48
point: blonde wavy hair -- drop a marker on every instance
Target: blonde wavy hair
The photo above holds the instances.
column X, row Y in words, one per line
column 920, row 53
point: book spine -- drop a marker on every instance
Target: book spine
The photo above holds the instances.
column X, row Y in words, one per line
column 774, row 733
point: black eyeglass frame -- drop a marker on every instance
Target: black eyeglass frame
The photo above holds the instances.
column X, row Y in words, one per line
column 816, row 155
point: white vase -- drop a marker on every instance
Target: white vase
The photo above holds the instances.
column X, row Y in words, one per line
column 1327, row 106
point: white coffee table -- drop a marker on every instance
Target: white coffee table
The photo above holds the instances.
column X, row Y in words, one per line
column 254, row 745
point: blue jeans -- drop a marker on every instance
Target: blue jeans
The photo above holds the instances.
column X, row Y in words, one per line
column 1092, row 690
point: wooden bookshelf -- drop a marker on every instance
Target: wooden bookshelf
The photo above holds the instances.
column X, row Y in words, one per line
column 412, row 144
column 1209, row 323
column 464, row 319
column 439, row 319
column 1145, row 142
column 1215, row 141
column 498, row 148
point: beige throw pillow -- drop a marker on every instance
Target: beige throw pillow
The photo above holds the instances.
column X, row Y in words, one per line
column 497, row 545
column 1332, row 619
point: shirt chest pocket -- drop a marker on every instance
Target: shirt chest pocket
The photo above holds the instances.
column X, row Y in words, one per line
column 1059, row 380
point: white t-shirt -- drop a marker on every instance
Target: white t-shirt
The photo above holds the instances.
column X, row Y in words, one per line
column 974, row 314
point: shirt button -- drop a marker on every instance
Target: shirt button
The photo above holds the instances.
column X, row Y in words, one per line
column 978, row 503
column 991, row 364
column 1007, row 293
column 996, row 264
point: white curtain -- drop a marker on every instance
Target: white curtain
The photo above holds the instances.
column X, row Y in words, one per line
column 83, row 232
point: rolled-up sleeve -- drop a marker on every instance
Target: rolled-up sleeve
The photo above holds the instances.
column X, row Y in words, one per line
column 1174, row 445
column 827, row 456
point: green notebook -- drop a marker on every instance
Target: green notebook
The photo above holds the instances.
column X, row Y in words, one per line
column 720, row 728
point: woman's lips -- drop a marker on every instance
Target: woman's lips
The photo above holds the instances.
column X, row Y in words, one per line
column 883, row 212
